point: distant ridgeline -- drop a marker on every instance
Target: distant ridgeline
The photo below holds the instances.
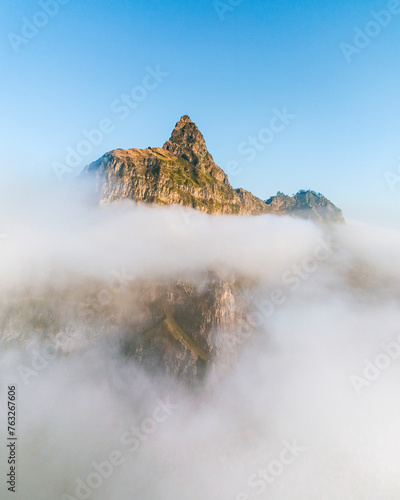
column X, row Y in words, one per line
column 184, row 172
column 307, row 204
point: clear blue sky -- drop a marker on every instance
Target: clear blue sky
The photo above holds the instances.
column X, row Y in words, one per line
column 228, row 75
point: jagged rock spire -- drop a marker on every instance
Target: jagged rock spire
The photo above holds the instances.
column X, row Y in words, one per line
column 187, row 142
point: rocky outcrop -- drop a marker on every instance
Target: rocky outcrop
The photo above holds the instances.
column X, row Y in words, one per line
column 187, row 142
column 306, row 204
column 182, row 172
column 177, row 327
column 186, row 326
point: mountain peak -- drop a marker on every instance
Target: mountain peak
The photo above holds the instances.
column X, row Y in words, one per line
column 184, row 172
column 307, row 204
column 187, row 142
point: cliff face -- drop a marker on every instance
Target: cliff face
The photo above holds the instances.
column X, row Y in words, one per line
column 184, row 327
column 182, row 172
column 178, row 327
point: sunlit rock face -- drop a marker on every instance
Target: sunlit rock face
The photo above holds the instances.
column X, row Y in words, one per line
column 182, row 172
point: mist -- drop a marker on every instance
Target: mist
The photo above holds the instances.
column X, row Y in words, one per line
column 303, row 406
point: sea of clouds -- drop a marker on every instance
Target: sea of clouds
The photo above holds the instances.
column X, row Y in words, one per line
column 310, row 410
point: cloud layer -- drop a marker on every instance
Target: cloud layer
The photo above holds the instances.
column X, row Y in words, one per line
column 309, row 410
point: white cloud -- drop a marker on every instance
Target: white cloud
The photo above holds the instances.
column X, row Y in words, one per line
column 291, row 382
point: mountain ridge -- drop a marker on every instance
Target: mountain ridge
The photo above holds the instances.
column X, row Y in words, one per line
column 184, row 172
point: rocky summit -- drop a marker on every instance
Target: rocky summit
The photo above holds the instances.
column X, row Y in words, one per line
column 306, row 204
column 184, row 172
